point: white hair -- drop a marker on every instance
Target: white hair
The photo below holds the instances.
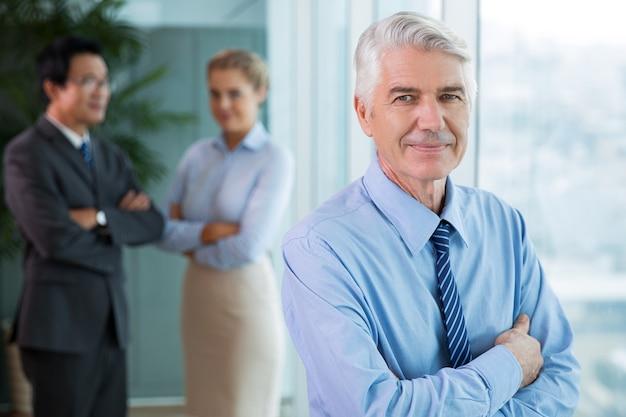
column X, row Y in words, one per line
column 401, row 30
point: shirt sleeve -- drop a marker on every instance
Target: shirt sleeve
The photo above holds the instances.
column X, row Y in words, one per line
column 180, row 235
column 260, row 220
column 555, row 391
column 330, row 323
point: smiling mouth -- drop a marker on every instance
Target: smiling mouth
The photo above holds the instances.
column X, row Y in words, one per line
column 434, row 148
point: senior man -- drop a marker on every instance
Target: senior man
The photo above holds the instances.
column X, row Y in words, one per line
column 408, row 295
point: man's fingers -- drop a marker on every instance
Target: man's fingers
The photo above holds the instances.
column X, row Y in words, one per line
column 144, row 201
column 135, row 201
column 522, row 323
column 127, row 199
column 140, row 202
column 503, row 338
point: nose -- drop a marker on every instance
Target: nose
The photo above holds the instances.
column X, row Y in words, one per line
column 430, row 115
column 223, row 102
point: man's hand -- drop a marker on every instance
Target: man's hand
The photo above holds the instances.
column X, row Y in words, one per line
column 133, row 201
column 84, row 217
column 212, row 232
column 525, row 348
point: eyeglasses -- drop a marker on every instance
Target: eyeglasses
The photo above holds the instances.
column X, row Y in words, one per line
column 90, row 83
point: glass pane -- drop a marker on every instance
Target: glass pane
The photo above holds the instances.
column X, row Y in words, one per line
column 553, row 144
column 330, row 85
column 385, row 8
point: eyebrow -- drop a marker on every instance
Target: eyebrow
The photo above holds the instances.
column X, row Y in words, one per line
column 412, row 90
column 402, row 90
column 453, row 89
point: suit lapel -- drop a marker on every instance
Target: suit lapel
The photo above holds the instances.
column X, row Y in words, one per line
column 64, row 147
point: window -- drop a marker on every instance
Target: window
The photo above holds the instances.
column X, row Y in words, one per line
column 552, row 130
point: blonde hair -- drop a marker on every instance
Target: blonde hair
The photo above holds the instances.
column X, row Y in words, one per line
column 249, row 63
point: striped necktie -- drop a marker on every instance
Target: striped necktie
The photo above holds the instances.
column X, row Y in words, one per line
column 458, row 343
column 85, row 151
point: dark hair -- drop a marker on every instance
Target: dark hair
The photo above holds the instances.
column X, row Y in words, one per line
column 53, row 62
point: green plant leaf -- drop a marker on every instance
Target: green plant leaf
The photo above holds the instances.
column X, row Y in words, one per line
column 134, row 111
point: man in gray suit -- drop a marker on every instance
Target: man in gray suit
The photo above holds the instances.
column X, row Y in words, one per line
column 76, row 202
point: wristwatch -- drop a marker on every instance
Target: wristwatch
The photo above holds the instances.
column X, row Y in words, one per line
column 101, row 218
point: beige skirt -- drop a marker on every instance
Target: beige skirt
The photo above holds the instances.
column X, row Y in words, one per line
column 233, row 341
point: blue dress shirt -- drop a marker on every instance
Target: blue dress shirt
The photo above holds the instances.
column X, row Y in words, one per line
column 249, row 185
column 361, row 304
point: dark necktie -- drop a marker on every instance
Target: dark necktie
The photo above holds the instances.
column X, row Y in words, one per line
column 454, row 321
column 85, row 151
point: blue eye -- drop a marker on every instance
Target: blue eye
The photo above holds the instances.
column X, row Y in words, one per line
column 404, row 99
column 450, row 97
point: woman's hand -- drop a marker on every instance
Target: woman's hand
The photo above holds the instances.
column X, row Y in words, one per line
column 176, row 211
column 212, row 232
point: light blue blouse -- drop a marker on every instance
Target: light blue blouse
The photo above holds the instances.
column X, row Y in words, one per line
column 249, row 185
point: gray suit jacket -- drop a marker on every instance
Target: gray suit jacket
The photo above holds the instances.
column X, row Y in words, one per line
column 73, row 279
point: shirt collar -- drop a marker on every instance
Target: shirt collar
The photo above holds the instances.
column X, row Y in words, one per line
column 414, row 221
column 254, row 139
column 452, row 210
column 75, row 139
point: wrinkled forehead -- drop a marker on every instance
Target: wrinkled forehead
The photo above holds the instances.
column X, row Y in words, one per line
column 414, row 67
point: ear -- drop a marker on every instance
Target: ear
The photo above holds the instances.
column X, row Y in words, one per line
column 261, row 94
column 363, row 115
column 51, row 89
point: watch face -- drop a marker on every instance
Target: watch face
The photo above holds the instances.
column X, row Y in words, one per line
column 101, row 218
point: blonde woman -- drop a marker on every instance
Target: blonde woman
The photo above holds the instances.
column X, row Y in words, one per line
column 228, row 197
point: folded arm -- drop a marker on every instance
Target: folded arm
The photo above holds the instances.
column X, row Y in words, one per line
column 555, row 391
column 331, row 325
column 43, row 215
column 260, row 219
column 133, row 219
column 185, row 236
